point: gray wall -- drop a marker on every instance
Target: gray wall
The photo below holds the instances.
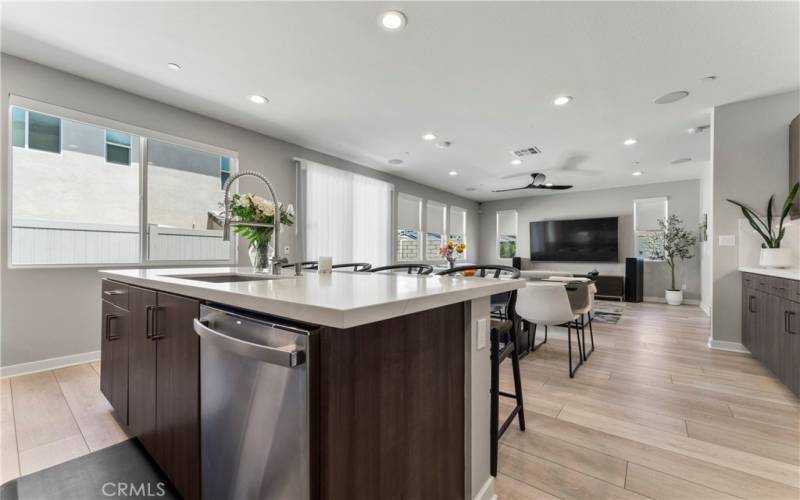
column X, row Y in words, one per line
column 684, row 200
column 707, row 247
column 46, row 313
column 750, row 163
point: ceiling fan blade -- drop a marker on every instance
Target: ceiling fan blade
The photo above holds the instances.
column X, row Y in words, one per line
column 512, row 189
column 557, row 186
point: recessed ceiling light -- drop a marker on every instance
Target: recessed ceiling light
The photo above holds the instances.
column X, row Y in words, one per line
column 392, row 20
column 680, row 160
column 562, row 100
column 444, row 144
column 637, row 173
column 259, row 99
column 429, row 137
column 630, row 142
column 395, row 161
column 699, row 129
column 470, row 189
column 710, row 78
column 548, row 184
column 174, row 66
column 516, row 161
column 453, row 172
column 672, row 97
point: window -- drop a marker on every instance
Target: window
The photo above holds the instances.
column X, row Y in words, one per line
column 345, row 216
column 506, row 234
column 35, row 130
column 458, row 229
column 118, row 147
column 434, row 230
column 79, row 208
column 646, row 214
column 409, row 227
column 224, row 171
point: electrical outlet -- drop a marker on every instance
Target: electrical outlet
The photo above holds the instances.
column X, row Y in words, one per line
column 482, row 331
column 727, row 240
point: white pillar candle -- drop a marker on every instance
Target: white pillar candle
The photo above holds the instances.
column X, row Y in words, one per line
column 325, row 264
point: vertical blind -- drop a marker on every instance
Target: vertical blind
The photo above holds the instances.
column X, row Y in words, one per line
column 507, row 222
column 408, row 212
column 435, row 212
column 647, row 212
column 345, row 216
column 458, row 222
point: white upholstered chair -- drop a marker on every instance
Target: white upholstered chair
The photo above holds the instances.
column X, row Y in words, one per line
column 543, row 303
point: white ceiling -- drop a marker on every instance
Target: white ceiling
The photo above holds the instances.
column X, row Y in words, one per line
column 482, row 75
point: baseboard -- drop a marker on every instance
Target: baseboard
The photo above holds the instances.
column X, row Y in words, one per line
column 48, row 364
column 724, row 345
column 487, row 491
column 662, row 300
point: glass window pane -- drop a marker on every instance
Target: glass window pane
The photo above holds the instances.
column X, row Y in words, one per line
column 407, row 244
column 73, row 208
column 433, row 242
column 223, row 179
column 18, row 127
column 183, row 190
column 225, row 164
column 44, row 132
column 507, row 247
column 116, row 137
column 118, row 154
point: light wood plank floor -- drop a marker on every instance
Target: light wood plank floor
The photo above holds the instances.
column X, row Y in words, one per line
column 653, row 413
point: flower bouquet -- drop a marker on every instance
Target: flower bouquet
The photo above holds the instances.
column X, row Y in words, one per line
column 451, row 250
column 251, row 208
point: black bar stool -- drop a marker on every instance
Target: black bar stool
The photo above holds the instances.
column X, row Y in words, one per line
column 418, row 268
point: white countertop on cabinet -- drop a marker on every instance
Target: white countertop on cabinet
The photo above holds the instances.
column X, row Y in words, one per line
column 792, row 274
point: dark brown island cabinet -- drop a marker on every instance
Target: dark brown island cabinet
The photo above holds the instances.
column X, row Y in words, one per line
column 386, row 399
column 771, row 324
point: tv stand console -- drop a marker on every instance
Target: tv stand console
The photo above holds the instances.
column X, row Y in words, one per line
column 610, row 287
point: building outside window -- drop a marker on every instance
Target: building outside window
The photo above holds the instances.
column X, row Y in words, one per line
column 506, row 234
column 458, row 229
column 434, row 229
column 224, row 171
column 118, row 147
column 409, row 227
column 35, row 130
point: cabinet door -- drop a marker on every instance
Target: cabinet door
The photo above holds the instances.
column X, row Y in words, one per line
column 748, row 296
column 790, row 362
column 114, row 357
column 772, row 332
column 178, row 393
column 756, row 324
column 142, row 374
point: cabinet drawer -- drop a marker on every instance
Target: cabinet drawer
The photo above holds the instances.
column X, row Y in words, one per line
column 116, row 293
column 782, row 287
column 748, row 280
column 762, row 283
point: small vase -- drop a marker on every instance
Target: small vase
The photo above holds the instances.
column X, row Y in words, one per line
column 260, row 253
column 674, row 297
column 451, row 261
column 775, row 257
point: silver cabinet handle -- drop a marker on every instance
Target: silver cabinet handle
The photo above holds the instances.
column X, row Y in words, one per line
column 287, row 356
column 113, row 292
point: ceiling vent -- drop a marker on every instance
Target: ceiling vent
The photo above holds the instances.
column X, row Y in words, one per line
column 522, row 153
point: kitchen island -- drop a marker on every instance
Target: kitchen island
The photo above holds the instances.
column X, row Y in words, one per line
column 382, row 393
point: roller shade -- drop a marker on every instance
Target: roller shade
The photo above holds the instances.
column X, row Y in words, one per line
column 408, row 212
column 435, row 221
column 458, row 222
column 647, row 211
column 507, row 222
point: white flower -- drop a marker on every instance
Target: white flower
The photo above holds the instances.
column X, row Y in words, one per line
column 263, row 206
column 290, row 209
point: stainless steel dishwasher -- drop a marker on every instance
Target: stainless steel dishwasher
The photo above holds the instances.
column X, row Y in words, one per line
column 254, row 407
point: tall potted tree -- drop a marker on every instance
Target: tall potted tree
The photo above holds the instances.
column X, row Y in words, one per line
column 772, row 254
column 671, row 244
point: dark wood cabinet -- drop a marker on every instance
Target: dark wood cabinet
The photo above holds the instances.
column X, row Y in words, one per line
column 150, row 375
column 771, row 325
column 114, row 353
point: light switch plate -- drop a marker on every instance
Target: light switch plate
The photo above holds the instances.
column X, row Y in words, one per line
column 482, row 331
column 727, row 240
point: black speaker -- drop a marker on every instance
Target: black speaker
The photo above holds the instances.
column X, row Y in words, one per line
column 634, row 279
column 516, row 262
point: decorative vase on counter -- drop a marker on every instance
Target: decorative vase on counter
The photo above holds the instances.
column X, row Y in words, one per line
column 451, row 261
column 674, row 297
column 775, row 257
column 260, row 252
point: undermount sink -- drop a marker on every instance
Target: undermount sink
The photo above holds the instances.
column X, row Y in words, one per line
column 228, row 277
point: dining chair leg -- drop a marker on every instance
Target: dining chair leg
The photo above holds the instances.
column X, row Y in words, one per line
column 494, row 407
column 534, row 345
column 518, row 385
column 591, row 332
column 572, row 369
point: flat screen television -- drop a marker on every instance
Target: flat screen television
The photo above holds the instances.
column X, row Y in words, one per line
column 580, row 240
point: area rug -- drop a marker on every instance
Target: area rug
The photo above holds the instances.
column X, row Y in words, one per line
column 120, row 471
column 606, row 311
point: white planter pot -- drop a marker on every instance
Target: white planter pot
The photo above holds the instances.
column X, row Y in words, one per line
column 674, row 297
column 775, row 257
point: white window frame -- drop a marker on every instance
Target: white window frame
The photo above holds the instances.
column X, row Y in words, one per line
column 143, row 134
column 497, row 233
column 420, row 232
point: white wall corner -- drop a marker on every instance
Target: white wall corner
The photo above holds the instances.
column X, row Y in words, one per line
column 724, row 345
column 49, row 364
column 706, row 308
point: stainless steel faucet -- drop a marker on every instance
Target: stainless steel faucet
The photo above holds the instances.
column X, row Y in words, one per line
column 276, row 262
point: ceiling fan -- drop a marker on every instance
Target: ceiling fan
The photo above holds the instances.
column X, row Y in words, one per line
column 536, row 183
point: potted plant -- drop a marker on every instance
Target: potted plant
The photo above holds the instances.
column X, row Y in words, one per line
column 450, row 250
column 671, row 244
column 772, row 254
column 251, row 208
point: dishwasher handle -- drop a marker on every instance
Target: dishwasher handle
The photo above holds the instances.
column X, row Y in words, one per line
column 287, row 356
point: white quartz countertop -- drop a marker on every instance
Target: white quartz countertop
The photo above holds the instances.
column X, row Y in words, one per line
column 340, row 299
column 792, row 274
